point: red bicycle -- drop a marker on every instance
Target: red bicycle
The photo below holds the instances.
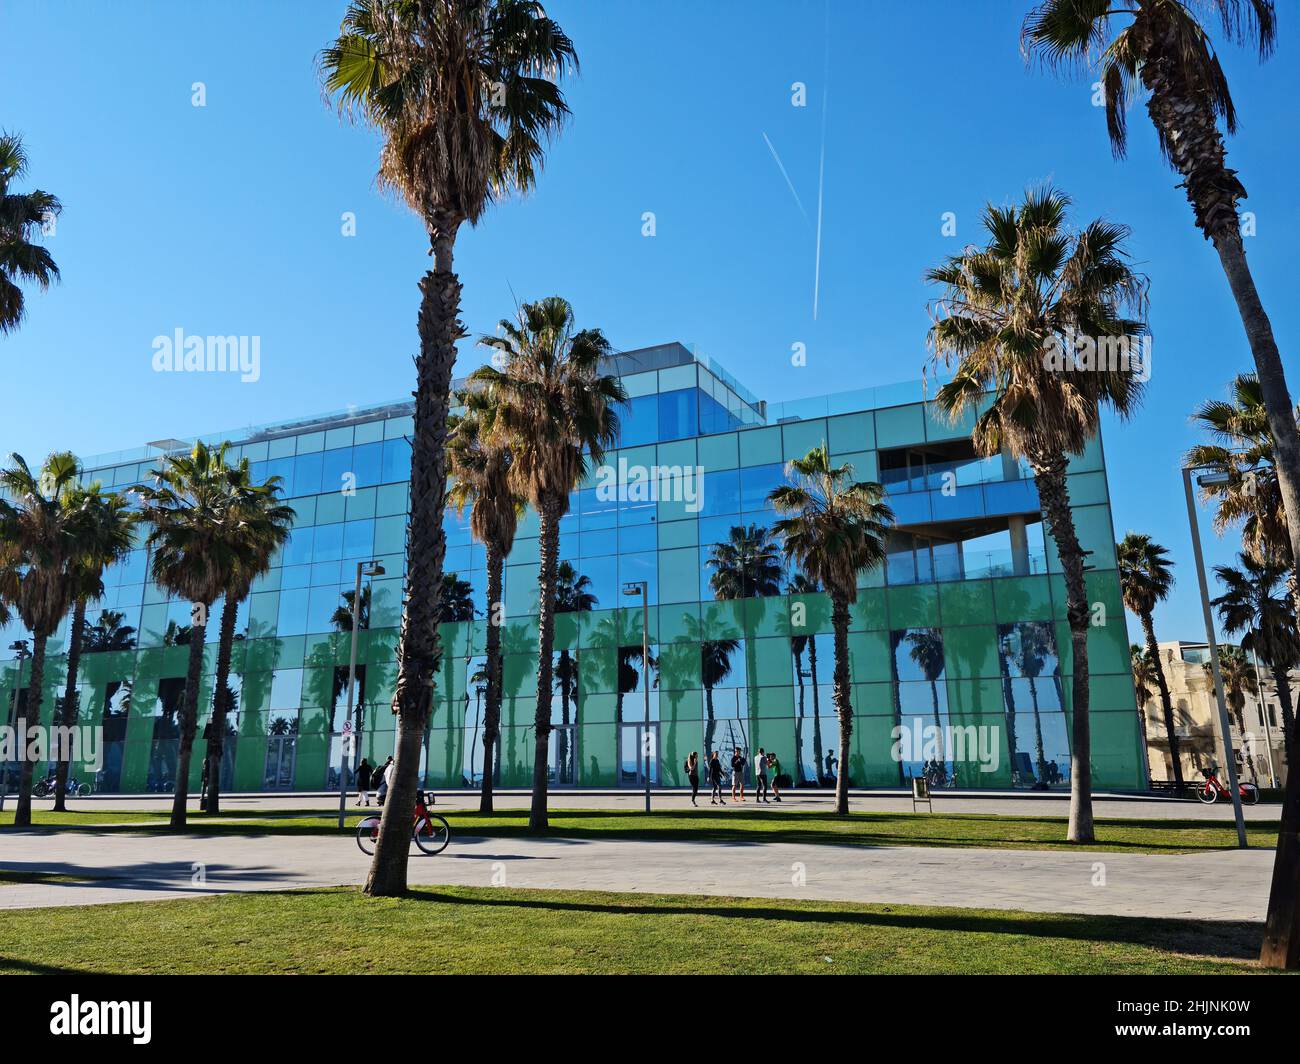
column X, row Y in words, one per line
column 431, row 832
column 1214, row 790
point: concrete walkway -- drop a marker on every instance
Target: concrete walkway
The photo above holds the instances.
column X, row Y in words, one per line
column 1222, row 885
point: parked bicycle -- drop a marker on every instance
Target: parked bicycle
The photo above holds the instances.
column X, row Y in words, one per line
column 45, row 788
column 430, row 831
column 1213, row 790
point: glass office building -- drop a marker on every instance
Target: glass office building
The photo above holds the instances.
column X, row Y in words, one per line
column 963, row 629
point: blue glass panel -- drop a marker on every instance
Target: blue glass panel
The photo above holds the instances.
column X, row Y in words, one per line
column 910, row 509
column 1011, row 497
column 336, row 465
column 306, row 475
column 597, row 543
column 396, row 463
column 359, row 539
column 297, row 548
column 295, row 576
column 721, row 493
column 757, row 482
column 637, row 538
column 639, row 421
column 367, row 462
column 678, row 414
column 329, row 543
column 964, row 502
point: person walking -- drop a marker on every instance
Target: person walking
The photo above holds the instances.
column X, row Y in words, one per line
column 760, row 776
column 831, row 762
column 385, row 774
column 692, row 767
column 774, row 766
column 738, row 775
column 715, row 780
column 364, row 772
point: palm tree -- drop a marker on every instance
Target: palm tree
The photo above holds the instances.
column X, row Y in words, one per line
column 43, row 533
column 110, row 528
column 1168, row 50
column 715, row 666
column 107, row 634
column 572, row 595
column 801, row 585
column 198, row 549
column 1242, row 453
column 927, row 653
column 480, row 464
column 1007, row 311
column 837, row 529
column 1238, row 675
column 746, row 566
column 555, row 408
column 1251, row 604
column 1145, row 579
column 263, row 526
column 465, row 95
column 21, row 215
column 1144, row 668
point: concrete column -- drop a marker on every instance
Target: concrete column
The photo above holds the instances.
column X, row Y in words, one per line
column 1016, row 525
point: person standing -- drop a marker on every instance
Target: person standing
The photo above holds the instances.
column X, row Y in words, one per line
column 715, row 780
column 364, row 772
column 384, row 776
column 774, row 766
column 692, row 767
column 738, row 775
column 760, row 776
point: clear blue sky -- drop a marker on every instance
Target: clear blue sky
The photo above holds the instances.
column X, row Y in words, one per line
column 225, row 219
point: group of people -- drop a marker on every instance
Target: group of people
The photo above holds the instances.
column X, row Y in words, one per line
column 767, row 773
column 368, row 776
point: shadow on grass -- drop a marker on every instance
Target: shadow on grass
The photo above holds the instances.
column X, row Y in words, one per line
column 1226, row 940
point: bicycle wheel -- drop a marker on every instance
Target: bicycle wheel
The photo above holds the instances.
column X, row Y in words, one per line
column 1208, row 794
column 83, row 789
column 432, row 834
column 368, row 834
column 1250, row 794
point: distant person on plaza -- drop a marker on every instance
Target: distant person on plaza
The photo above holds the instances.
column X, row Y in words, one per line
column 363, row 782
column 831, row 762
column 692, row 767
column 774, row 766
column 203, row 792
column 738, row 775
column 715, row 780
column 385, row 777
column 760, row 776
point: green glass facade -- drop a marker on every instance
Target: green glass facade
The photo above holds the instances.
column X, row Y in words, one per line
column 964, row 625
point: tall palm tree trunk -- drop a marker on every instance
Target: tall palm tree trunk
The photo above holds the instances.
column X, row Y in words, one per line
column 938, row 723
column 549, row 546
column 1282, row 681
column 492, row 715
column 29, row 714
column 1049, row 477
column 220, row 705
column 711, row 723
column 1039, row 753
column 417, row 648
column 843, row 702
column 1009, row 715
column 70, row 704
column 798, row 721
column 819, row 765
column 1166, row 703
column 189, row 721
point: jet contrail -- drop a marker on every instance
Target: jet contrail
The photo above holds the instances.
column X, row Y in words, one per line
column 788, row 182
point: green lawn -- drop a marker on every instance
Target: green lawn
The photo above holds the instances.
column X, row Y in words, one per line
column 741, row 825
column 454, row 929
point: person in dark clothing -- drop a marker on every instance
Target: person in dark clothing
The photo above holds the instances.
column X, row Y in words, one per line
column 738, row 775
column 715, row 780
column 364, row 772
column 692, row 767
column 384, row 775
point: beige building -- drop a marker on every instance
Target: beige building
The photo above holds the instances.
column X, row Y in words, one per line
column 1258, row 752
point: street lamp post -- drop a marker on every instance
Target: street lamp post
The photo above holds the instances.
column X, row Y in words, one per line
column 1231, row 766
column 642, row 588
column 370, row 568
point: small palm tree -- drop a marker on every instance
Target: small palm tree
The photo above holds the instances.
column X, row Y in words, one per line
column 263, row 526
column 465, row 96
column 1254, row 605
column 836, row 529
column 1164, row 46
column 198, row 551
column 109, row 536
column 43, row 534
column 22, row 214
column 1238, row 675
column 108, row 634
column 1008, row 308
column 1144, row 683
column 1247, row 489
column 927, row 653
column 480, row 466
column 556, row 409
column 801, row 585
column 572, row 595
column 1145, row 579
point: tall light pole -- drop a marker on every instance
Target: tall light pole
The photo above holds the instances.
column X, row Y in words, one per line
column 642, row 588
column 370, row 568
column 1231, row 766
column 19, row 646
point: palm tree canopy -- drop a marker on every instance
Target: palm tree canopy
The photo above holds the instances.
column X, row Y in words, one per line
column 456, row 602
column 1241, row 453
column 22, row 215
column 109, row 536
column 837, row 527
column 45, row 532
column 1144, row 674
column 715, row 660
column 108, row 633
column 1082, row 34
column 480, row 465
column 1037, row 287
column 341, row 618
column 551, row 401
column 1255, row 601
column 747, row 565
column 1145, row 573
column 573, row 591
column 464, row 91
column 1238, row 675
column 927, row 651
